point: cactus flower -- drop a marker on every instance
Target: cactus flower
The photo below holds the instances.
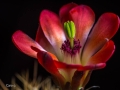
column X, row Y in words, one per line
column 71, row 45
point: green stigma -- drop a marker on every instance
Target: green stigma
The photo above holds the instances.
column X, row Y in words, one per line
column 70, row 31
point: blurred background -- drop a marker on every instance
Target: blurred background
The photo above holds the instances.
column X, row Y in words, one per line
column 25, row 16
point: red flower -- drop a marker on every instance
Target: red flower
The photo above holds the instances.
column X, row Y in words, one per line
column 71, row 60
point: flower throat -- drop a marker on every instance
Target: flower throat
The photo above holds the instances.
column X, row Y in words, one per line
column 70, row 45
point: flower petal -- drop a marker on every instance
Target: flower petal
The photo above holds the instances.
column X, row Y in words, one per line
column 24, row 43
column 76, row 79
column 80, row 79
column 105, row 28
column 79, row 67
column 64, row 11
column 104, row 54
column 46, row 60
column 84, row 18
column 52, row 29
column 42, row 40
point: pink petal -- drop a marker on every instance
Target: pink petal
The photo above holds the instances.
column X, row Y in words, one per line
column 64, row 11
column 104, row 54
column 42, row 40
column 24, row 43
column 46, row 60
column 52, row 29
column 105, row 28
column 83, row 17
column 79, row 67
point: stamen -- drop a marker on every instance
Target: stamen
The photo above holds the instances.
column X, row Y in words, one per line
column 67, row 48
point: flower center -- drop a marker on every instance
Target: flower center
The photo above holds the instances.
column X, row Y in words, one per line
column 70, row 45
column 67, row 48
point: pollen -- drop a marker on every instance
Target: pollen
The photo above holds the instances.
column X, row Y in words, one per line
column 67, row 48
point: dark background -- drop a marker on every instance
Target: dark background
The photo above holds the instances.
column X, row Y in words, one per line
column 25, row 15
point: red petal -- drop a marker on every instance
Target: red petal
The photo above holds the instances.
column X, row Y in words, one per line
column 104, row 54
column 46, row 60
column 79, row 67
column 106, row 27
column 83, row 17
column 24, row 43
column 52, row 29
column 64, row 11
column 41, row 39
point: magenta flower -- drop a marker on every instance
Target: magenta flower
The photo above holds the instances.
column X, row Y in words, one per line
column 70, row 46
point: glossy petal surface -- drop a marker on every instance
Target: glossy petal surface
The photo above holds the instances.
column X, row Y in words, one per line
column 24, row 43
column 64, row 11
column 53, row 30
column 42, row 40
column 104, row 29
column 104, row 54
column 83, row 17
